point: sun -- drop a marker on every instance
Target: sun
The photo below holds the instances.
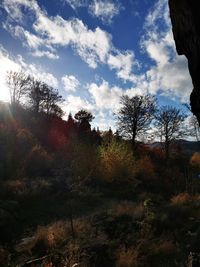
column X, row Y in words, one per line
column 4, row 92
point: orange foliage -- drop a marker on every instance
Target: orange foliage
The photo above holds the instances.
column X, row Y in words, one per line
column 117, row 163
column 195, row 159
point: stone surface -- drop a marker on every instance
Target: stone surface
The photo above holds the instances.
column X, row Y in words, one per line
column 185, row 17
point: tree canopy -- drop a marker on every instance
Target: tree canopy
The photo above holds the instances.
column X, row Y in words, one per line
column 135, row 115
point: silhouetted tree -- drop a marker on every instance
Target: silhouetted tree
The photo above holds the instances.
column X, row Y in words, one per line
column 108, row 136
column 52, row 99
column 96, row 137
column 84, row 118
column 44, row 98
column 135, row 115
column 71, row 126
column 18, row 83
column 36, row 95
column 70, row 121
column 168, row 122
column 83, row 115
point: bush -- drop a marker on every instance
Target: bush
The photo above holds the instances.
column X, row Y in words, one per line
column 181, row 199
column 127, row 258
column 195, row 159
column 117, row 163
column 38, row 162
column 85, row 162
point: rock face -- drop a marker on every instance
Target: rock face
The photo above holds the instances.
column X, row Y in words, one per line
column 185, row 17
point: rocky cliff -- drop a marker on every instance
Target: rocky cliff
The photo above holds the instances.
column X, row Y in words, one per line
column 185, row 17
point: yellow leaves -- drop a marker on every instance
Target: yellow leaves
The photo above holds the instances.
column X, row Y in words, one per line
column 117, row 162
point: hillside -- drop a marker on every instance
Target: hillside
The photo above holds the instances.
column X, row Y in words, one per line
column 71, row 195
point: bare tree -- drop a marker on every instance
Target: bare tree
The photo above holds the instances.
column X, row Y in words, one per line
column 194, row 128
column 18, row 83
column 169, row 125
column 135, row 116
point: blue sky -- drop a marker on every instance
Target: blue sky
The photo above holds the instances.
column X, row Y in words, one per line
column 94, row 51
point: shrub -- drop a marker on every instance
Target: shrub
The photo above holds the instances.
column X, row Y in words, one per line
column 127, row 258
column 117, row 163
column 195, row 159
column 25, row 141
column 133, row 209
column 38, row 162
column 181, row 199
column 145, row 169
column 85, row 162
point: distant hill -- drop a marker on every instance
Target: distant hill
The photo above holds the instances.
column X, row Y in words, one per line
column 188, row 147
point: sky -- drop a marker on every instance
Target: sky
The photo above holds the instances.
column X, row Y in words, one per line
column 94, row 51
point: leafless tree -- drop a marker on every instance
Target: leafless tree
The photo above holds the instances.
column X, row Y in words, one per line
column 169, row 126
column 135, row 116
column 194, row 128
column 18, row 83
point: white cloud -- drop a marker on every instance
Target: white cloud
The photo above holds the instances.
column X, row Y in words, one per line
column 76, row 3
column 48, row 54
column 123, row 64
column 13, row 8
column 70, row 83
column 32, row 41
column 105, row 10
column 107, row 97
column 74, row 103
column 104, row 96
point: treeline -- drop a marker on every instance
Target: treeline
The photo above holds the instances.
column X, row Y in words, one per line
column 139, row 116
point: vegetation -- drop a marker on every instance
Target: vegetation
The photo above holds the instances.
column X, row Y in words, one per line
column 75, row 196
column 135, row 115
column 169, row 126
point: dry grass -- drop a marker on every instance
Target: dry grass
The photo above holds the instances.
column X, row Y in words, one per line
column 181, row 199
column 53, row 236
column 24, row 186
column 133, row 209
column 56, row 235
column 16, row 186
column 165, row 247
column 127, row 258
column 48, row 237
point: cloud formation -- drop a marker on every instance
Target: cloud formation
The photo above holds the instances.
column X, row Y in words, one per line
column 76, row 3
column 70, row 83
column 93, row 46
column 105, row 10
